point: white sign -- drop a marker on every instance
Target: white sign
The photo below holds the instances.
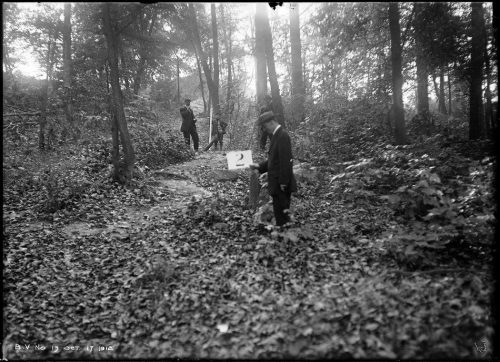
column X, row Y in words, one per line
column 239, row 159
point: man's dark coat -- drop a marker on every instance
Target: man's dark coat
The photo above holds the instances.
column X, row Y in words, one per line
column 279, row 165
column 187, row 119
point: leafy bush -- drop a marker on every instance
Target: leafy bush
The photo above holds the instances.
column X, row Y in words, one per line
column 417, row 199
column 140, row 109
column 21, row 91
column 421, row 124
column 454, row 216
column 161, row 92
column 441, row 202
column 156, row 150
column 340, row 131
column 430, row 123
column 61, row 189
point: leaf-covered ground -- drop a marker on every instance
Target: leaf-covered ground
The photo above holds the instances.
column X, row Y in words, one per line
column 175, row 266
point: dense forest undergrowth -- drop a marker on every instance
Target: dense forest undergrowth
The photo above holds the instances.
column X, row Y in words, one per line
column 121, row 242
column 389, row 254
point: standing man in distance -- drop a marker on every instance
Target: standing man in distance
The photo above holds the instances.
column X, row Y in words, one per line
column 188, row 126
column 279, row 167
column 218, row 129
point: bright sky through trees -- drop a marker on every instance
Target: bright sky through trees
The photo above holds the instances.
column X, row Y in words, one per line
column 29, row 65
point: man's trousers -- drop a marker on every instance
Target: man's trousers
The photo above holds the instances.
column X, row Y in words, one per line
column 281, row 202
column 194, row 134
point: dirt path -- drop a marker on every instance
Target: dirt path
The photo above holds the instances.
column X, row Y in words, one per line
column 175, row 186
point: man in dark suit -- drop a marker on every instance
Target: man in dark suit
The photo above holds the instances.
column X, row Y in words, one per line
column 279, row 167
column 188, row 127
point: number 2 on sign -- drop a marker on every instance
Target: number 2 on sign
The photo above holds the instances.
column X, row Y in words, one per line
column 239, row 161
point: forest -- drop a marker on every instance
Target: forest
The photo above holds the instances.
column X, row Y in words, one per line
column 121, row 240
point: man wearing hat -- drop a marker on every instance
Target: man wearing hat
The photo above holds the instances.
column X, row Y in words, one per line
column 188, row 127
column 279, row 167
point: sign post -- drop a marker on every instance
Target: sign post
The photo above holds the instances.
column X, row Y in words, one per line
column 239, row 159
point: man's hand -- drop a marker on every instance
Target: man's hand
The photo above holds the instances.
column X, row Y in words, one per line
column 253, row 166
column 283, row 188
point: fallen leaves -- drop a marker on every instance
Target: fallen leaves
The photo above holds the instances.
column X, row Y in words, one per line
column 189, row 275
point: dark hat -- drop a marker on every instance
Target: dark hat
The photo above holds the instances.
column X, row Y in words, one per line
column 265, row 117
column 187, row 100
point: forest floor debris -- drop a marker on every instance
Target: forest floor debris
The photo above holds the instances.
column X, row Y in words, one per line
column 188, row 274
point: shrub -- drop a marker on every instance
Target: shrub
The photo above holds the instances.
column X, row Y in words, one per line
column 442, row 219
column 342, row 132
column 61, row 189
column 156, row 150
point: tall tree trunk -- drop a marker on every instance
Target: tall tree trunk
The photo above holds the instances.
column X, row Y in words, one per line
column 422, row 73
column 209, row 110
column 6, row 56
column 260, row 66
column 397, row 77
column 273, row 78
column 202, row 84
column 260, row 54
column 178, row 81
column 436, row 88
column 287, row 84
column 123, row 63
column 115, row 148
column 68, row 101
column 228, row 45
column 494, row 105
column 112, row 41
column 450, row 110
column 442, row 98
column 229, row 99
column 298, row 92
column 488, row 116
column 215, row 98
column 476, row 123
column 43, row 114
column 143, row 49
column 335, row 72
column 45, row 91
column 304, row 72
column 208, row 76
column 211, row 69
column 139, row 75
column 422, row 87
